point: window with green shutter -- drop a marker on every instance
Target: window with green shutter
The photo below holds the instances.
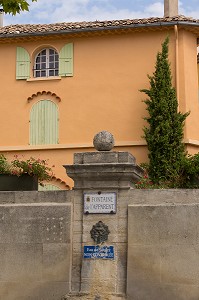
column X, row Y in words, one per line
column 44, row 121
column 66, row 60
column 22, row 64
column 47, row 63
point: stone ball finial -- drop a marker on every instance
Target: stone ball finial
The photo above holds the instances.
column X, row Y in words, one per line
column 103, row 141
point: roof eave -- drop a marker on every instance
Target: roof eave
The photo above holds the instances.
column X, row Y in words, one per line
column 87, row 30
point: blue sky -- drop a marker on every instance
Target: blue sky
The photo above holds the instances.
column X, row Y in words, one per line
column 53, row 11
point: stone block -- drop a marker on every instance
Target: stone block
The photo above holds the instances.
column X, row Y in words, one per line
column 21, row 262
column 6, row 225
column 161, row 196
column 60, row 196
column 87, row 269
column 122, row 225
column 122, row 238
column 78, row 212
column 77, row 247
column 35, row 223
column 77, row 237
column 75, row 286
column 56, row 262
column 7, row 197
column 121, row 287
column 104, row 175
column 34, row 246
column 121, row 262
column 56, row 224
column 164, row 224
column 125, row 157
column 76, row 273
column 15, row 290
column 100, row 157
column 51, row 290
column 142, row 290
column 98, row 286
column 103, row 157
column 27, row 197
column 77, row 195
column 163, row 252
column 77, row 226
column 184, row 292
column 180, row 265
column 122, row 206
column 76, row 267
column 99, row 268
column 143, row 265
column 150, row 291
column 78, row 158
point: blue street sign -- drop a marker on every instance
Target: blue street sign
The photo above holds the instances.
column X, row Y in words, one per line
column 99, row 252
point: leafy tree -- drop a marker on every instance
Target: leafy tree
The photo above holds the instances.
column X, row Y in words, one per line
column 15, row 6
column 164, row 133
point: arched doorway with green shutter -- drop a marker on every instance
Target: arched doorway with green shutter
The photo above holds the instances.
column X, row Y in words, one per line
column 44, row 123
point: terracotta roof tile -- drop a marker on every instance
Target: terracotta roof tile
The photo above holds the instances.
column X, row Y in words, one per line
column 78, row 26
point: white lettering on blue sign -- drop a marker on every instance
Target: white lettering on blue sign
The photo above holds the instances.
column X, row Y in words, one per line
column 99, row 252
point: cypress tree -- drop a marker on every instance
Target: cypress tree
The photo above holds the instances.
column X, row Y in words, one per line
column 164, row 133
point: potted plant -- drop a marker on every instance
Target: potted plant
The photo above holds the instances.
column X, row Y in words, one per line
column 23, row 174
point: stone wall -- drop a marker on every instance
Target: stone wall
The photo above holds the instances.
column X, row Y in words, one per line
column 35, row 245
column 163, row 245
column 154, row 233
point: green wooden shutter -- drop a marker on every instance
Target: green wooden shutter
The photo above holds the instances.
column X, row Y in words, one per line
column 66, row 60
column 48, row 187
column 44, row 123
column 22, row 64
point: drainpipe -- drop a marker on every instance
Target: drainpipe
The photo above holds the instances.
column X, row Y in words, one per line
column 176, row 60
column 177, row 75
column 1, row 17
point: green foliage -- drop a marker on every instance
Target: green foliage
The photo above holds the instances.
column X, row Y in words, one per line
column 146, row 182
column 31, row 166
column 164, row 133
column 4, row 166
column 15, row 6
column 190, row 174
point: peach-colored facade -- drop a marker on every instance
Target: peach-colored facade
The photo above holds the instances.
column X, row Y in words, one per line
column 110, row 67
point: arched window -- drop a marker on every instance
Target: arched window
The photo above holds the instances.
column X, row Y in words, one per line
column 44, row 123
column 46, row 63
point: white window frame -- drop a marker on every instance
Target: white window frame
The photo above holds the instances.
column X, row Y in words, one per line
column 46, row 70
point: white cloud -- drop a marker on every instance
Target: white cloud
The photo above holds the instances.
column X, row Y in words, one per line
column 51, row 11
column 80, row 10
column 155, row 9
column 46, row 11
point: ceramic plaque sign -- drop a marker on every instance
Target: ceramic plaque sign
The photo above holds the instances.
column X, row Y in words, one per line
column 103, row 203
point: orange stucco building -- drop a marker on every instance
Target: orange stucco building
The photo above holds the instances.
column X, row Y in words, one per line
column 69, row 81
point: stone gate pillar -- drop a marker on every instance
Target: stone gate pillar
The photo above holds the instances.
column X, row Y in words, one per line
column 102, row 180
